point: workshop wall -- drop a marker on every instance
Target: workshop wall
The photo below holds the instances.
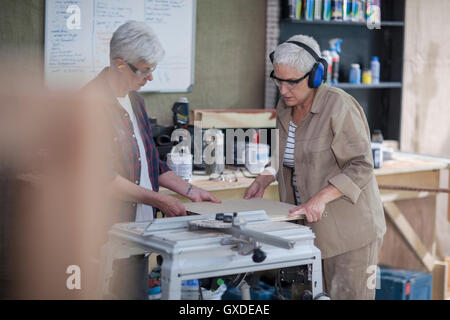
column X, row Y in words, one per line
column 229, row 52
column 426, row 77
column 22, row 34
column 229, row 59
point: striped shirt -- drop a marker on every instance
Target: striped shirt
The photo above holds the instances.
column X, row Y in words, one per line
column 288, row 159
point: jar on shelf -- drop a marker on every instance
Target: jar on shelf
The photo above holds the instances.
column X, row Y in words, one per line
column 355, row 74
column 367, row 76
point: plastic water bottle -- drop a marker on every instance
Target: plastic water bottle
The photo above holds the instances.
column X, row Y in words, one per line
column 375, row 69
column 355, row 74
column 180, row 162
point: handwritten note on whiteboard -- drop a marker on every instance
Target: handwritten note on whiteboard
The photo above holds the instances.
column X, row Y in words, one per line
column 77, row 35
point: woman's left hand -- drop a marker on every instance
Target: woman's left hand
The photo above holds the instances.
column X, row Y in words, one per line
column 313, row 209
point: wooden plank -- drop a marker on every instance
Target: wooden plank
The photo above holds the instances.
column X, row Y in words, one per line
column 440, row 272
column 396, row 195
column 427, row 179
column 277, row 211
column 236, row 118
column 397, row 166
column 395, row 252
column 408, row 233
column 442, row 223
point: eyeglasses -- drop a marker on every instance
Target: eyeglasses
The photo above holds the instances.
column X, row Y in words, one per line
column 290, row 84
column 140, row 73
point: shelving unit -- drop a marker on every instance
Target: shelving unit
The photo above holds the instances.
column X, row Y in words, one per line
column 381, row 102
column 381, row 85
column 346, row 23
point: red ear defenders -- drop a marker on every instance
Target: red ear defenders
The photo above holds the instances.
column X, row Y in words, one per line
column 318, row 73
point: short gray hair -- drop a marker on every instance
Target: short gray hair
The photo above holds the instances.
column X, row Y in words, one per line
column 135, row 41
column 294, row 56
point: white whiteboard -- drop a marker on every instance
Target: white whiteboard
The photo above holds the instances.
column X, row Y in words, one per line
column 77, row 35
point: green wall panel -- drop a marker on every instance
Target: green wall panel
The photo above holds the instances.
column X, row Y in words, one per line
column 229, row 60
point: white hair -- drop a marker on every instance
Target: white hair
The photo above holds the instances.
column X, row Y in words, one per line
column 135, row 41
column 296, row 57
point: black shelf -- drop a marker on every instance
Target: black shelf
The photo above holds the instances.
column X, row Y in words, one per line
column 344, row 23
column 381, row 85
column 381, row 102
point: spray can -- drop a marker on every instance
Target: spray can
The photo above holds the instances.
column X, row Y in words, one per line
column 375, row 69
column 317, row 9
column 326, row 10
column 335, row 66
column 326, row 54
column 335, row 49
column 308, row 9
column 336, row 10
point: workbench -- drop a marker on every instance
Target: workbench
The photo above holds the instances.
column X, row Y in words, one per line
column 227, row 190
column 404, row 169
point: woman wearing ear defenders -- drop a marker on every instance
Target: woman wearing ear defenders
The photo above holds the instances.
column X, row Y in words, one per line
column 326, row 169
column 137, row 171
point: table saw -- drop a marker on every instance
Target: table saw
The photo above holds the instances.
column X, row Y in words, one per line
column 212, row 245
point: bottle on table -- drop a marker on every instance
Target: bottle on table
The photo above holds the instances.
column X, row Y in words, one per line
column 377, row 148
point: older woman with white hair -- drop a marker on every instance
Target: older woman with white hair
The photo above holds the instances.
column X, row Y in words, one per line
column 137, row 170
column 326, row 169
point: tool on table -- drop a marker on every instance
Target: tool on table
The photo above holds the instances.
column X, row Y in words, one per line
column 245, row 240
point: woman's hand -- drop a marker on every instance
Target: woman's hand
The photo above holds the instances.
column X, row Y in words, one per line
column 198, row 194
column 170, row 206
column 313, row 209
column 256, row 189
